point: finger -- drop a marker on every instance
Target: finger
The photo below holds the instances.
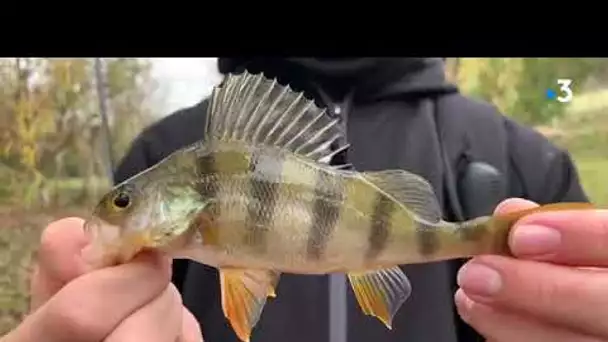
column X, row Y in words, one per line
column 503, row 326
column 577, row 238
column 92, row 306
column 563, row 296
column 58, row 260
column 60, row 246
column 158, row 321
column 514, row 204
column 191, row 330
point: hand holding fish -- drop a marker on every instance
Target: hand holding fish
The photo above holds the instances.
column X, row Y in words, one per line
column 555, row 291
column 130, row 302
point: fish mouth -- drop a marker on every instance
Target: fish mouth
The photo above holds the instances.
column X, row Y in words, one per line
column 108, row 245
column 99, row 231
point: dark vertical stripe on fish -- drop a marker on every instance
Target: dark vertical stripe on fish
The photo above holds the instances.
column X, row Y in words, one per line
column 207, row 172
column 487, row 234
column 428, row 239
column 472, row 231
column 380, row 225
column 263, row 193
column 208, row 185
column 326, row 208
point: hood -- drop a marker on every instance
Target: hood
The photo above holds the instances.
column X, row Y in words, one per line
column 361, row 79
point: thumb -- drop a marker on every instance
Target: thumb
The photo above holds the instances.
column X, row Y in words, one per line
column 512, row 205
column 58, row 258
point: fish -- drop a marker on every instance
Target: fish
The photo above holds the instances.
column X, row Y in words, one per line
column 261, row 195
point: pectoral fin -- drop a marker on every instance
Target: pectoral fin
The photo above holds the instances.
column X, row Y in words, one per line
column 244, row 294
column 381, row 293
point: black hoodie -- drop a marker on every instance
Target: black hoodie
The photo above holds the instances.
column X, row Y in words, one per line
column 388, row 107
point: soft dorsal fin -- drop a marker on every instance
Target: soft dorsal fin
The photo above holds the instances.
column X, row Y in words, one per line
column 409, row 190
column 257, row 110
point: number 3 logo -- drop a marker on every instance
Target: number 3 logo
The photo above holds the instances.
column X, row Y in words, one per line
column 565, row 89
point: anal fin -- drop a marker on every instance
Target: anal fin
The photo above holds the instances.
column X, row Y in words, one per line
column 244, row 294
column 381, row 293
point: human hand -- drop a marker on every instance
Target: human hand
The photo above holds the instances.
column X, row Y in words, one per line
column 557, row 288
column 130, row 302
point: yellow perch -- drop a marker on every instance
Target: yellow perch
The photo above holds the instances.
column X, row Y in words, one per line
column 259, row 197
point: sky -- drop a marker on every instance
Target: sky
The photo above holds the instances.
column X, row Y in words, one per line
column 184, row 81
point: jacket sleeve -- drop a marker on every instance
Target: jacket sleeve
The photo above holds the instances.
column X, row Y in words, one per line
column 540, row 170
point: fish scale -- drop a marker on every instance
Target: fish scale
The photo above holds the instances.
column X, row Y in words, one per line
column 259, row 196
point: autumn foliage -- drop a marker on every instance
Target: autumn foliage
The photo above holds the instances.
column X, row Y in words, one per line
column 52, row 141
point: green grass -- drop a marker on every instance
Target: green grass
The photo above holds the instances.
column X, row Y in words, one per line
column 18, row 243
column 593, row 173
column 19, row 240
column 584, row 132
column 589, row 102
column 17, row 246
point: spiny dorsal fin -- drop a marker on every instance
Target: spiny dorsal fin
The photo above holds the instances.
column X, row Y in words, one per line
column 410, row 190
column 257, row 110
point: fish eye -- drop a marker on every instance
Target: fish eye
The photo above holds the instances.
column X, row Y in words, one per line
column 122, row 200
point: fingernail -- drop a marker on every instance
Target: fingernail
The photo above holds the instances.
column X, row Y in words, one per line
column 534, row 240
column 477, row 279
column 463, row 304
column 462, row 301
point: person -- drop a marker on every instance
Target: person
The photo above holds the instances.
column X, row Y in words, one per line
column 395, row 112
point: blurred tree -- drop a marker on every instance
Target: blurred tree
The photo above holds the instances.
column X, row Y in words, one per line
column 130, row 85
column 50, row 127
column 70, row 84
column 29, row 105
column 452, row 65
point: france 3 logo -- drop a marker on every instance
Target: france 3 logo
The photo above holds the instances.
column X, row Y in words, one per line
column 564, row 93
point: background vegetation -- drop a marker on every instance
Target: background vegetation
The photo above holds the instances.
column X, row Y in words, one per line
column 54, row 158
column 518, row 87
column 54, row 150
